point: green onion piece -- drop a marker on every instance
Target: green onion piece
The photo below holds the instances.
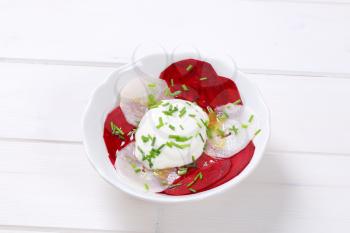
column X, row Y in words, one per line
column 152, row 85
column 189, row 67
column 117, row 131
column 146, row 186
column 199, row 175
column 181, row 127
column 182, row 171
column 193, row 159
column 182, row 112
column 237, row 102
column 166, row 104
column 234, row 129
column 174, row 185
column 192, row 115
column 153, row 141
column 152, row 101
column 144, row 138
column 176, row 93
column 201, row 137
column 167, row 91
column 257, row 132
column 172, row 82
column 199, row 125
column 180, row 146
column 171, row 127
column 192, row 190
column 184, row 87
column 161, row 123
column 204, row 78
column 244, row 126
column 179, row 138
column 251, row 118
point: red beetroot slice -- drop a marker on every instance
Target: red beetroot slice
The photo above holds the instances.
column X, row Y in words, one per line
column 238, row 164
column 212, row 170
column 114, row 142
column 198, row 81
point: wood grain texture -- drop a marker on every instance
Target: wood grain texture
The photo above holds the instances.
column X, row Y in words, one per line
column 268, row 35
column 47, row 102
column 53, row 185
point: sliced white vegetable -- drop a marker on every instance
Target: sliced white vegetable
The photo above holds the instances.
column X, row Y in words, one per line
column 239, row 130
column 132, row 172
column 134, row 97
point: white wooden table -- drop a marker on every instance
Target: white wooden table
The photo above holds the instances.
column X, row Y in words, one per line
column 54, row 53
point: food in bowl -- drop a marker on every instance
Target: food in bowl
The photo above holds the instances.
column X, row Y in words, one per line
column 184, row 132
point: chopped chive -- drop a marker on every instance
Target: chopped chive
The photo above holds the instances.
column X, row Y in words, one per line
column 184, row 87
column 176, row 93
column 179, row 138
column 180, row 146
column 189, row 67
column 188, row 103
column 193, row 159
column 152, row 85
column 199, row 125
column 220, row 132
column 192, row 115
column 192, row 190
column 174, row 185
column 161, row 147
column 161, row 123
column 237, row 102
column 210, row 109
column 172, row 82
column 146, row 186
column 152, row 101
column 167, row 92
column 145, row 139
column 204, row 78
column 182, row 112
column 234, row 129
column 171, row 127
column 117, row 131
column 169, row 144
column 244, row 126
column 182, row 171
column 201, row 137
column 199, row 175
column 251, row 118
column 166, row 104
column 182, row 127
column 257, row 132
column 141, row 151
column 153, row 141
column 204, row 123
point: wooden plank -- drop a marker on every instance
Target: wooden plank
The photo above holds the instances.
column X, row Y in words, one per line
column 265, row 35
column 52, row 185
column 264, row 208
column 47, row 102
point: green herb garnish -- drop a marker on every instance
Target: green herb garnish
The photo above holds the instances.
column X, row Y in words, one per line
column 198, row 176
column 237, row 102
column 171, row 127
column 201, row 137
column 153, row 141
column 146, row 186
column 204, row 78
column 251, row 118
column 117, row 131
column 257, row 132
column 180, row 146
column 172, row 82
column 182, row 112
column 184, row 87
column 176, row 93
column 192, row 190
column 189, row 67
column 179, row 138
column 234, row 129
column 152, row 85
column 161, row 123
column 181, row 127
column 145, row 139
column 152, row 101
column 182, row 171
column 244, row 126
column 192, row 115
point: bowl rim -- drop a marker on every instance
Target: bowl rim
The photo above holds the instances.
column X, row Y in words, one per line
column 166, row 199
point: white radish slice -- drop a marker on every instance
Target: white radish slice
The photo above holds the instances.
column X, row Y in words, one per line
column 132, row 172
column 239, row 129
column 134, row 97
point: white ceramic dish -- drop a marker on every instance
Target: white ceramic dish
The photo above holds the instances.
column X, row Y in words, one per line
column 105, row 98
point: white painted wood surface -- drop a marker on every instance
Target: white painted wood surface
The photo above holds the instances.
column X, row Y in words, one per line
column 54, row 53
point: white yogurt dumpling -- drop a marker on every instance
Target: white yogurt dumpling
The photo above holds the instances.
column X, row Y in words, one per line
column 238, row 127
column 173, row 134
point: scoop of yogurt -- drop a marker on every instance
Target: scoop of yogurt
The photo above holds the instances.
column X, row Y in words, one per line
column 171, row 134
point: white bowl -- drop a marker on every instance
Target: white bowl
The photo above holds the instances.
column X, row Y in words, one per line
column 105, row 99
